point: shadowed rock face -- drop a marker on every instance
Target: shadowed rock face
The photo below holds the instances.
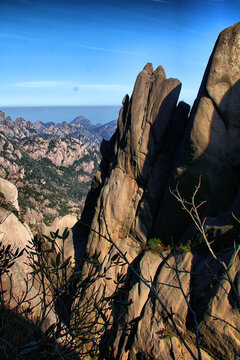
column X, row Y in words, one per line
column 157, row 146
column 212, row 148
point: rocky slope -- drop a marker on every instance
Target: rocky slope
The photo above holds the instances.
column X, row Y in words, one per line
column 51, row 164
column 52, row 175
column 192, row 295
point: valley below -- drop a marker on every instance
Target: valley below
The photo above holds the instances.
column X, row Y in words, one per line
column 51, row 164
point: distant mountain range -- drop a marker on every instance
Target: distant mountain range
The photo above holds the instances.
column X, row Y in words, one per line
column 79, row 128
column 51, row 164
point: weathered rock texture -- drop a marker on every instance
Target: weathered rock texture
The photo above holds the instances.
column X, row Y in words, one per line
column 212, row 148
column 138, row 147
column 18, row 282
column 156, row 146
column 60, row 224
column 9, row 192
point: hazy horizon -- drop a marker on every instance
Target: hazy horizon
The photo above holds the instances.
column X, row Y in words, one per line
column 96, row 113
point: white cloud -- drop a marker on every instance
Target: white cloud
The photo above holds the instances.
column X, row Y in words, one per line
column 37, row 84
column 25, row 2
column 161, row 1
column 17, row 37
column 40, row 84
column 196, row 63
column 117, row 51
column 69, row 84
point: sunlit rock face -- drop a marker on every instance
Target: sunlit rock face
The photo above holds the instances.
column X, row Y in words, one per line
column 15, row 234
column 139, row 147
column 9, row 192
column 157, row 146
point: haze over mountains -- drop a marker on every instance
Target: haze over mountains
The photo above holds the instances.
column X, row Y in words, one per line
column 51, row 164
column 78, row 128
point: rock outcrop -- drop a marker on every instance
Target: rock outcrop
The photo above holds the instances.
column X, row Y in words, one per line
column 212, row 148
column 10, row 193
column 17, row 282
column 157, row 146
column 60, row 224
column 140, row 164
column 61, row 151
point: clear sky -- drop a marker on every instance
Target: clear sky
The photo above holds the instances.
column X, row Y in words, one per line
column 89, row 52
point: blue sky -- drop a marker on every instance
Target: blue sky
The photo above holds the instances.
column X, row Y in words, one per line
column 68, row 52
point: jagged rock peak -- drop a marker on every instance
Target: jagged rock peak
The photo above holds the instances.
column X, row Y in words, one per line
column 131, row 157
column 148, row 68
column 81, row 120
column 223, row 83
column 144, row 120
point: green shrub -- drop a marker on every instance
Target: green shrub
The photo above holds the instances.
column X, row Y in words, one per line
column 186, row 249
column 167, row 333
column 155, row 244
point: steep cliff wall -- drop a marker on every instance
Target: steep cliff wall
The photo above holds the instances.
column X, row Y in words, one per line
column 212, row 147
column 157, row 146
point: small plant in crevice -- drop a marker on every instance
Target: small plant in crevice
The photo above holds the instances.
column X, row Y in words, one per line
column 156, row 245
column 167, row 333
column 185, row 247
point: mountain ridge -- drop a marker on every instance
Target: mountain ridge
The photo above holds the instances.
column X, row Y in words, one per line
column 51, row 164
column 77, row 128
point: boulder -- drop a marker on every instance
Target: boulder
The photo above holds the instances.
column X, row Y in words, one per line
column 21, row 292
column 60, row 224
column 9, row 192
column 64, row 221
